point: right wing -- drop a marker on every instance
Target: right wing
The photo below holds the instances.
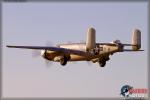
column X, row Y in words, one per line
column 57, row 49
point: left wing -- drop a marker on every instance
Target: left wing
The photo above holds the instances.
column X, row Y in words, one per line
column 57, row 49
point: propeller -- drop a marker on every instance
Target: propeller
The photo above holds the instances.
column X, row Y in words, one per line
column 89, row 63
column 49, row 43
column 48, row 63
column 37, row 53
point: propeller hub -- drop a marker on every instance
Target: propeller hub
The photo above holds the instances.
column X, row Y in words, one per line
column 43, row 53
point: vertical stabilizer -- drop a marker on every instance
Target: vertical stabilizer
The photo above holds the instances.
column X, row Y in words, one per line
column 90, row 41
column 136, row 39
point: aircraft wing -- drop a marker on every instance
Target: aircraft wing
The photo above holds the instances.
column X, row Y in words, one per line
column 57, row 49
column 131, row 50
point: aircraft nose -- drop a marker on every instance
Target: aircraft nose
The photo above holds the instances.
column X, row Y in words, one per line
column 43, row 53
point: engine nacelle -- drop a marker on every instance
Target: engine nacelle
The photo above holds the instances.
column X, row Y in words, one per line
column 136, row 39
column 90, row 42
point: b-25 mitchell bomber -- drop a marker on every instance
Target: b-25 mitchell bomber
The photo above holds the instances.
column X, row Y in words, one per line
column 88, row 51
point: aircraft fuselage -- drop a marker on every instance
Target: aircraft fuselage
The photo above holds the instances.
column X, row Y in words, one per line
column 102, row 50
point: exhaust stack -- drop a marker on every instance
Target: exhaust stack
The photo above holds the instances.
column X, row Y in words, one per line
column 90, row 41
column 136, row 39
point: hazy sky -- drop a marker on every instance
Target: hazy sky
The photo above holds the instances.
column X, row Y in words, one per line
column 62, row 22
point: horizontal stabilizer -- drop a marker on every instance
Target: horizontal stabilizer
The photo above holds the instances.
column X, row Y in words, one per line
column 114, row 44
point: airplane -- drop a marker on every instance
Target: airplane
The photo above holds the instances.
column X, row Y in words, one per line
column 88, row 51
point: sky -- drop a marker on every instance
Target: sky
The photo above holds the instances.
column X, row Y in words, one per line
column 62, row 22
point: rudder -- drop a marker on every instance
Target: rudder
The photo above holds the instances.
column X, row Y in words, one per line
column 136, row 39
column 90, row 42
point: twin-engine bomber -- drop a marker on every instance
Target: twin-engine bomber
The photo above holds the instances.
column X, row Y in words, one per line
column 88, row 51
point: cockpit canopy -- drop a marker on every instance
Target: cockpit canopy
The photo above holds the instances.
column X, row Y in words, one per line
column 116, row 41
